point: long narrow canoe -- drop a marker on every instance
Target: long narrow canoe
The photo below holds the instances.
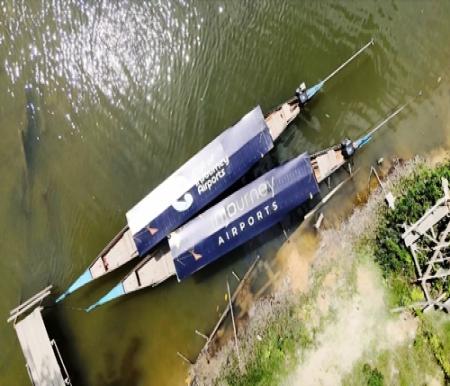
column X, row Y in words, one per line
column 195, row 184
column 239, row 217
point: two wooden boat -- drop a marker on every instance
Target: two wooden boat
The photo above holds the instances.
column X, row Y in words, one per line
column 201, row 179
column 240, row 216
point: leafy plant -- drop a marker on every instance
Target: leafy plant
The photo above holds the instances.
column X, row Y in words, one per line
column 373, row 376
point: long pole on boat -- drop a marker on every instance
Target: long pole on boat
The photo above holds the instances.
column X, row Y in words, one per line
column 348, row 61
column 360, row 142
column 367, row 137
column 386, row 120
column 310, row 92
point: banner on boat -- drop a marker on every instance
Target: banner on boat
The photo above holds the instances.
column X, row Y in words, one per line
column 243, row 215
column 212, row 170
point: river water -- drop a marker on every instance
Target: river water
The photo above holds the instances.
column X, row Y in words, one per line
column 122, row 93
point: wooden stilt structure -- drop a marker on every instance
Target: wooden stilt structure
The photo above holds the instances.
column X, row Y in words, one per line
column 429, row 236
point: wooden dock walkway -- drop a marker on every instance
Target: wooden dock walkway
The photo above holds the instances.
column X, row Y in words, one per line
column 43, row 361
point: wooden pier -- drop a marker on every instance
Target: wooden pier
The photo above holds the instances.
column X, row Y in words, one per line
column 43, row 361
column 430, row 236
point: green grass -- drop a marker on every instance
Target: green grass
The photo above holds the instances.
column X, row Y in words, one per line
column 275, row 353
column 436, row 330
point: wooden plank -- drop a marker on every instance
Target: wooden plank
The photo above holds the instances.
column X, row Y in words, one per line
column 29, row 303
column 122, row 251
column 416, row 262
column 433, row 218
column 201, row 334
column 429, row 212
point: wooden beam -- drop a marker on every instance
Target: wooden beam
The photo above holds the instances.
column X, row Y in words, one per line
column 234, row 327
column 201, row 334
column 38, row 295
column 416, row 262
column 19, row 310
column 184, row 358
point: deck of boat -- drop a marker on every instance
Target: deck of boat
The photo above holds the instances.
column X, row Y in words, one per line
column 326, row 163
column 281, row 117
column 152, row 271
column 121, row 250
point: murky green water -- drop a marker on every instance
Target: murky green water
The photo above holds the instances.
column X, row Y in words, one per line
column 124, row 92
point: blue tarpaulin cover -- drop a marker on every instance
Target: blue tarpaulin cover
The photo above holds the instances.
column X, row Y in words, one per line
column 216, row 167
column 243, row 215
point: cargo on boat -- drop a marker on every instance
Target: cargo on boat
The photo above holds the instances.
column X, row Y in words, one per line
column 201, row 179
column 216, row 167
column 243, row 215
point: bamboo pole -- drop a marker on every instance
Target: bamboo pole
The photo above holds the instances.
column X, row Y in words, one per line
column 234, row 327
column 201, row 334
column 184, row 358
column 236, row 276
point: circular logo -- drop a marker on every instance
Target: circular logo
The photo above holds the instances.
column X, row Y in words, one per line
column 183, row 203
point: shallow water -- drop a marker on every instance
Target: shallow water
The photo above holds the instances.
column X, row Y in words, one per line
column 119, row 94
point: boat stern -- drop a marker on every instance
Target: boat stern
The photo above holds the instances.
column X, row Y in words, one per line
column 85, row 278
column 116, row 292
column 304, row 95
column 310, row 92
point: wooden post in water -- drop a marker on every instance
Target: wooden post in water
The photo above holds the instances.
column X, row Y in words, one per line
column 285, row 233
column 184, row 358
column 201, row 334
column 234, row 327
column 236, row 276
column 227, row 308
